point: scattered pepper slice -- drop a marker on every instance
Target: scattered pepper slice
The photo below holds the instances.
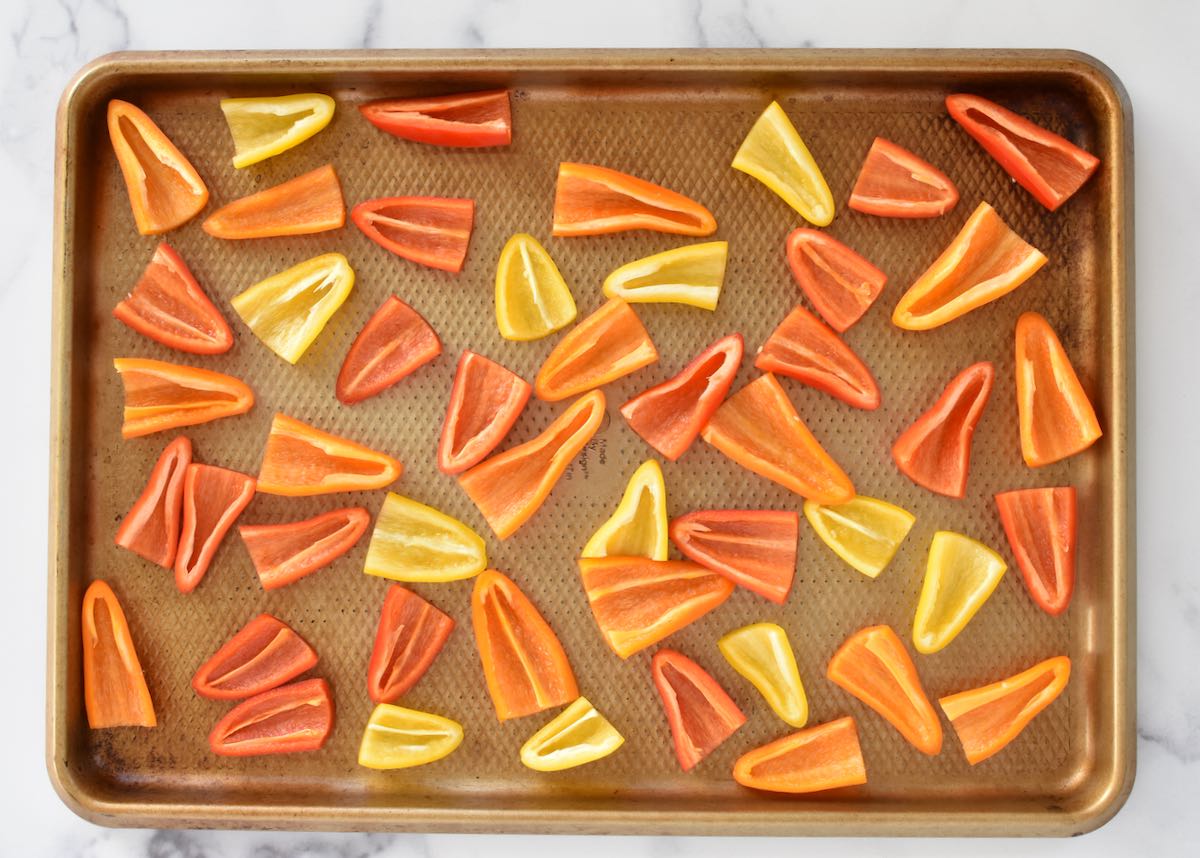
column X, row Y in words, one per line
column 525, row 666
column 803, row 348
column 774, row 153
column 431, row 231
column 410, row 634
column 823, row 757
column 591, row 200
column 284, row 553
column 669, row 416
column 840, row 283
column 761, row 653
column 264, row 127
column 638, row 526
column 284, row 720
column 960, row 575
column 609, row 344
column 511, row 486
column 873, row 665
column 894, row 182
column 701, row 715
column 415, row 542
column 690, row 275
column 399, row 738
column 759, row 429
column 394, row 343
column 485, row 402
column 461, row 120
column 264, row 654
column 161, row 396
column 302, row 460
column 1056, row 417
column 213, row 498
column 114, row 688
column 307, row 204
column 151, row 527
column 755, row 548
column 577, row 735
column 1040, row 526
column 865, row 532
column 165, row 191
column 532, row 299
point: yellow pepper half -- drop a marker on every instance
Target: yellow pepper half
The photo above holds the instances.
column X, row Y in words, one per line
column 865, row 532
column 774, row 154
column 532, row 298
column 684, row 275
column 417, row 543
column 577, row 735
column 761, row 653
column 399, row 738
column 960, row 576
column 289, row 309
column 264, row 127
column 638, row 527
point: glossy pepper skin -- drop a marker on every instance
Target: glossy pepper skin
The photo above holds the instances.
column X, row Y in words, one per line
column 592, row 200
column 410, row 634
column 466, row 120
column 415, row 542
column 394, row 343
column 699, row 712
column 761, row 653
column 894, row 182
column 264, row 654
column 431, row 231
column 1040, row 525
column 151, row 527
column 284, row 553
column 284, row 720
column 213, row 498
column 307, row 204
column 638, row 526
column 160, row 396
column 960, row 575
column 399, row 738
column 774, row 153
column 576, row 736
column 823, row 757
column 301, row 460
column 753, row 548
column 609, row 344
column 114, row 687
column 485, row 402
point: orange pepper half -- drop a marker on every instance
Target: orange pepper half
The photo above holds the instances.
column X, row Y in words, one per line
column 284, row 553
column 525, row 665
column 609, row 344
column 755, row 548
column 300, row 206
column 302, row 460
column 151, row 527
column 161, row 396
column 114, row 689
column 817, row 758
column 591, row 200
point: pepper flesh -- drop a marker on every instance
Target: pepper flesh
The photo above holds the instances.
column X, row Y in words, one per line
column 935, row 451
column 302, row 460
column 960, row 575
column 803, row 348
column 577, row 735
column 114, row 688
column 592, row 200
column 399, row 738
column 161, row 396
column 213, row 498
column 264, row 127
column 1040, row 526
column 865, row 532
column 485, row 402
column 609, row 344
column 532, row 298
column 415, row 542
column 823, row 757
column 638, row 526
column 431, row 231
column 307, row 204
column 759, row 429
column 462, row 120
column 754, row 548
column 637, row 601
column 511, row 486
column 669, row 416
column 699, row 712
column 410, row 634
column 168, row 306
column 840, row 283
column 1056, row 417
column 761, row 653
column 774, row 153
column 894, row 182
column 151, row 527
column 873, row 665
column 263, row 655
column 284, row 720
column 284, row 553
column 394, row 343
column 523, row 662
column 690, row 275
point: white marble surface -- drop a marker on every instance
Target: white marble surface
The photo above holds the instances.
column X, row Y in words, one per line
column 1149, row 44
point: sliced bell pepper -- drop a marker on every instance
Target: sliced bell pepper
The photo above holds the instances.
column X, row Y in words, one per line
column 168, row 306
column 417, row 543
column 289, row 309
column 394, row 343
column 701, row 715
column 1040, row 526
column 302, row 460
column 284, row 553
column 865, row 532
column 264, row 127
column 461, row 120
column 690, row 275
column 151, row 527
column 263, row 655
column 410, row 635
column 431, row 231
column 213, row 498
column 935, row 451
column 577, row 735
column 114, row 688
column 609, row 344
column 873, row 665
column 638, row 526
column 960, row 575
column 1056, row 417
column 803, row 348
column 304, row 205
column 755, row 548
column 511, row 486
column 284, row 720
column 826, row 756
column 525, row 666
column 165, row 191
column 532, row 298
column 774, row 153
column 761, row 653
column 637, row 601
column 759, row 429
column 894, row 182
column 1050, row 167
column 591, row 200
column 485, row 402
column 985, row 261
column 161, row 396
column 669, row 416
column 840, row 283
column 986, row 719
column 399, row 738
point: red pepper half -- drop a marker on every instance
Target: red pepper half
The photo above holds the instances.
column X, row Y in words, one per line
column 754, row 548
column 1040, row 526
column 151, row 527
column 296, row 717
column 285, row 553
column 935, row 451
column 841, row 284
column 670, row 415
column 410, row 635
column 432, row 231
column 804, row 348
column 485, row 402
column 700, row 713
column 894, row 182
column 1050, row 167
column 213, row 498
column 394, row 343
column 591, row 200
column 463, row 120
column 265, row 654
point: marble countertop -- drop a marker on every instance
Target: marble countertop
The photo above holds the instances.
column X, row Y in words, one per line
column 1149, row 44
